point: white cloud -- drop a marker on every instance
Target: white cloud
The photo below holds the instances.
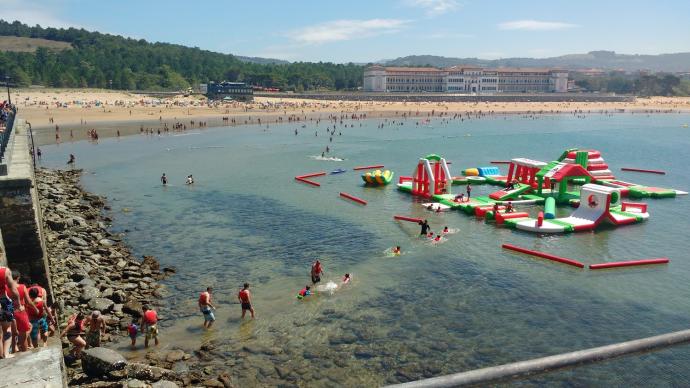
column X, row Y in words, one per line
column 434, row 7
column 32, row 13
column 534, row 25
column 339, row 30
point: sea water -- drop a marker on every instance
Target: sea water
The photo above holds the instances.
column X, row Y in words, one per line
column 436, row 309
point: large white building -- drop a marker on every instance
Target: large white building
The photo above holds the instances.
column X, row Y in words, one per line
column 464, row 79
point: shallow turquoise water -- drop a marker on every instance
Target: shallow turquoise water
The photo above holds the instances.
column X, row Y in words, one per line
column 438, row 309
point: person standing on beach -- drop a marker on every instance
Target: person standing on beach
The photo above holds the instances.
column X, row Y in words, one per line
column 245, row 298
column 149, row 325
column 8, row 295
column 164, row 179
column 316, row 272
column 206, row 307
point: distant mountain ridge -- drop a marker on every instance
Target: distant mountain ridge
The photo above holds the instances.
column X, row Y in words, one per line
column 607, row 60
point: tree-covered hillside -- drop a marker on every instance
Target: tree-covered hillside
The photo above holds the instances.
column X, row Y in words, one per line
column 108, row 61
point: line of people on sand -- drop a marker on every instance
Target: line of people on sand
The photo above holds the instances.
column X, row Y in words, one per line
column 189, row 180
column 25, row 316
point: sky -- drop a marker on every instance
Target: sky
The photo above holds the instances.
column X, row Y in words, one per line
column 367, row 31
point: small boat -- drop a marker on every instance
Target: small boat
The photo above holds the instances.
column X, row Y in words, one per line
column 338, row 171
column 378, row 178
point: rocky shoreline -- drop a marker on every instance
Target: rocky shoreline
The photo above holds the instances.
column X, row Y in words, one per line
column 92, row 269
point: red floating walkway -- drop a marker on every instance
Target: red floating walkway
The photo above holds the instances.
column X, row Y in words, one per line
column 409, row 219
column 548, row 256
column 307, row 181
column 368, row 167
column 643, row 170
column 353, row 198
column 310, row 175
column 661, row 260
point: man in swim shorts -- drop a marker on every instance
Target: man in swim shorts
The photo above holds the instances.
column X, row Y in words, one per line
column 96, row 329
column 206, row 307
column 245, row 298
column 149, row 324
column 316, row 272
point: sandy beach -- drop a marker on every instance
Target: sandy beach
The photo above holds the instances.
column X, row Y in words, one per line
column 64, row 114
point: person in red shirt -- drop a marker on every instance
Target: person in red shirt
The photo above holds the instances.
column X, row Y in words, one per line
column 21, row 317
column 149, row 325
column 8, row 295
column 38, row 319
column 206, row 307
column 245, row 298
column 316, row 272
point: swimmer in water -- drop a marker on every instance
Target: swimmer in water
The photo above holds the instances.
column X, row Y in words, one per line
column 346, row 279
column 396, row 251
column 445, row 230
column 437, row 238
column 430, row 207
column 306, row 291
column 164, row 179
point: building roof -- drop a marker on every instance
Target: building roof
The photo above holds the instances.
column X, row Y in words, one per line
column 524, row 70
column 416, row 69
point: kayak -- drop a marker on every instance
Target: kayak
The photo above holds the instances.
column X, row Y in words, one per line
column 338, row 171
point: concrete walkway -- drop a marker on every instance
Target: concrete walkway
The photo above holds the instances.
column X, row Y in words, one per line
column 37, row 368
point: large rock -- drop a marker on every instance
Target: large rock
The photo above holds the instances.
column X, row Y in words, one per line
column 74, row 240
column 134, row 383
column 149, row 373
column 98, row 362
column 164, row 384
column 88, row 293
column 101, row 304
column 132, row 307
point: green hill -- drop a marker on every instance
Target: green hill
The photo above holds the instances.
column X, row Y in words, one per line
column 92, row 59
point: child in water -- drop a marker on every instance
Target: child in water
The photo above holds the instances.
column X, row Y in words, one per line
column 133, row 330
column 397, row 251
column 346, row 279
column 445, row 230
column 437, row 238
column 306, row 291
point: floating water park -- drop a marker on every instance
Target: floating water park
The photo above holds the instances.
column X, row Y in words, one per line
column 580, row 179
